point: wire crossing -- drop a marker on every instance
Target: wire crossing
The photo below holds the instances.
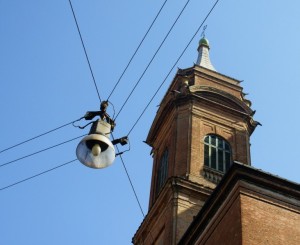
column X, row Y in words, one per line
column 150, row 27
column 135, row 52
column 182, row 53
column 49, row 170
column 152, row 59
column 36, row 175
column 86, row 55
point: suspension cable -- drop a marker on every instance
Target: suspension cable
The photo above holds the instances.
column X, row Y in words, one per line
column 40, row 135
column 135, row 52
column 37, row 152
column 182, row 53
column 36, row 175
column 129, row 179
column 86, row 55
column 152, row 59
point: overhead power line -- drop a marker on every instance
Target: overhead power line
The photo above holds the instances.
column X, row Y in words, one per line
column 131, row 184
column 86, row 55
column 37, row 152
column 152, row 58
column 36, row 175
column 129, row 130
column 182, row 53
column 38, row 136
column 184, row 50
column 135, row 52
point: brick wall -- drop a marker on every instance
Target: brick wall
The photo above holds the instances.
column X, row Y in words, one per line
column 269, row 222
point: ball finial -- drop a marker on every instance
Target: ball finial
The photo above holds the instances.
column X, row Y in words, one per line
column 203, row 41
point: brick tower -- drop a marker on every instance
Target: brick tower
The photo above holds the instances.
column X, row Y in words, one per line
column 203, row 124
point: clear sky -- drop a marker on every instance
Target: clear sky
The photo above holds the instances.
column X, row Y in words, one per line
column 45, row 83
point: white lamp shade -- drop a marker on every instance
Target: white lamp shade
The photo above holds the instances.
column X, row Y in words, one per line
column 96, row 151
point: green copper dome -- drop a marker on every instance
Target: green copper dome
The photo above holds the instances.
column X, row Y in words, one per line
column 204, row 41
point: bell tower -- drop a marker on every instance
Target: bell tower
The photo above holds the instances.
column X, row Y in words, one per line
column 203, row 124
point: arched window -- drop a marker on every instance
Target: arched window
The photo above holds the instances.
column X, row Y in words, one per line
column 162, row 172
column 217, row 153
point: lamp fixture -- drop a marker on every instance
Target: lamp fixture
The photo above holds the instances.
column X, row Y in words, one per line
column 96, row 150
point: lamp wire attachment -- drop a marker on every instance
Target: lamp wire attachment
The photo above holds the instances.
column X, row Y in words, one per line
column 123, row 141
column 89, row 115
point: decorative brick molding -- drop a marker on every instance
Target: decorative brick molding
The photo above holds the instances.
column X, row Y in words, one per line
column 212, row 175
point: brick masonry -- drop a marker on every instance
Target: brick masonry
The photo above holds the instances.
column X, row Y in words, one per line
column 248, row 207
column 208, row 103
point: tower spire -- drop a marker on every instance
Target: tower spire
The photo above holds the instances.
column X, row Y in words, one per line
column 203, row 54
column 202, row 125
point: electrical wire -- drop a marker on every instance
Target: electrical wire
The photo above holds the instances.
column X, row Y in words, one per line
column 182, row 53
column 152, row 59
column 36, row 175
column 86, row 55
column 37, row 152
column 137, row 199
column 117, row 115
column 131, row 184
column 123, row 163
column 40, row 135
column 135, row 52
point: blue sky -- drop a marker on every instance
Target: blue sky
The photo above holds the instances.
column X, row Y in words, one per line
column 46, row 83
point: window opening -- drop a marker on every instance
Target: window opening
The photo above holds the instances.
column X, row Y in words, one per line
column 162, row 173
column 217, row 153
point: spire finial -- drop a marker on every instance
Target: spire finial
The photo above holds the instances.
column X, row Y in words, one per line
column 203, row 32
column 203, row 49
